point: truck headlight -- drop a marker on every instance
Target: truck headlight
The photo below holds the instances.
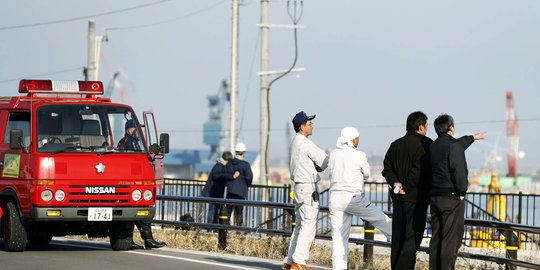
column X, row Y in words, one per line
column 136, row 195
column 46, row 195
column 147, row 195
column 59, row 195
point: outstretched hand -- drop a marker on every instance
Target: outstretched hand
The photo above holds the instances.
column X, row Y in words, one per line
column 480, row 135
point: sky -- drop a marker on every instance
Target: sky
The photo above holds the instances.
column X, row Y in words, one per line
column 368, row 64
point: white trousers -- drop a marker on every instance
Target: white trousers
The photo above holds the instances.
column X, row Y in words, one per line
column 343, row 206
column 306, row 220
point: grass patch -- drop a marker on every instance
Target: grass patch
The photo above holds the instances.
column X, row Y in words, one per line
column 275, row 248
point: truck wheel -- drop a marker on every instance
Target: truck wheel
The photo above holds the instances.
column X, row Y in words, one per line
column 121, row 235
column 15, row 237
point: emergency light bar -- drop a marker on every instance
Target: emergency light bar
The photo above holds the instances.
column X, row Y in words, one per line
column 61, row 87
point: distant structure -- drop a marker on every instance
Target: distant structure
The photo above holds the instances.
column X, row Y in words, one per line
column 212, row 128
column 512, row 126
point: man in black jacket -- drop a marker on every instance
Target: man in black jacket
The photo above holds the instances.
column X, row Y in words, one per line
column 407, row 169
column 238, row 188
column 215, row 184
column 448, row 189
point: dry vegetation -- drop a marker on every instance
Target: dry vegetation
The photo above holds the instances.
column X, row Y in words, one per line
column 275, row 247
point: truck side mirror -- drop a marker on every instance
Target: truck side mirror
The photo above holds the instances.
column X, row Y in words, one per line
column 164, row 142
column 15, row 138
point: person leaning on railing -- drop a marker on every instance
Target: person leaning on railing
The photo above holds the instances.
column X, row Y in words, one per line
column 237, row 188
column 215, row 184
column 347, row 169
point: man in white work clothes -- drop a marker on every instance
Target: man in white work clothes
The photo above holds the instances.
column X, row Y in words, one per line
column 348, row 168
column 306, row 160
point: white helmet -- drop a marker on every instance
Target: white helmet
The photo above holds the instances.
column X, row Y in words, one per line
column 240, row 147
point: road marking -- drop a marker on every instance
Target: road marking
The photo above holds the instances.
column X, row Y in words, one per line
column 159, row 255
column 192, row 260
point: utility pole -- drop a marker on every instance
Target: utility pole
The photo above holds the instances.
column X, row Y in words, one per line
column 265, row 73
column 264, row 92
column 94, row 48
column 234, row 74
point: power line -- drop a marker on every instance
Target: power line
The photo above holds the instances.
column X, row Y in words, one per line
column 243, row 112
column 165, row 21
column 82, row 17
column 362, row 126
column 43, row 74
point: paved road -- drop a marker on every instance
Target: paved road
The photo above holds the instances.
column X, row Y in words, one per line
column 64, row 254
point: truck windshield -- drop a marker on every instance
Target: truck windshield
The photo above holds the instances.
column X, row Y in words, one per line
column 88, row 128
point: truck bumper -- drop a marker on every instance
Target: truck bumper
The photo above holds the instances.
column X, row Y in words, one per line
column 81, row 213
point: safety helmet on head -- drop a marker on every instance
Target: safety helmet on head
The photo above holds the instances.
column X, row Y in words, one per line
column 240, row 147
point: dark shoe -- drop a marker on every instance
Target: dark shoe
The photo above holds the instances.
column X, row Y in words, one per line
column 150, row 244
column 149, row 241
column 135, row 245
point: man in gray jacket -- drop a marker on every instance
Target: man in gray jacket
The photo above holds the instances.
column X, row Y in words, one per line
column 306, row 160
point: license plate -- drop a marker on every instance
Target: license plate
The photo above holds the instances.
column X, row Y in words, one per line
column 99, row 214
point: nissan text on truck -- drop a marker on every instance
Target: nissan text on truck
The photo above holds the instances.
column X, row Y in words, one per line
column 62, row 172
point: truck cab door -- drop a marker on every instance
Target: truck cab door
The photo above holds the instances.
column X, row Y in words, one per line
column 151, row 135
column 14, row 162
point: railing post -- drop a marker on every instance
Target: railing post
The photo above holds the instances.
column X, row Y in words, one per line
column 286, row 190
column 162, row 204
column 270, row 224
column 512, row 245
column 223, row 220
column 520, row 205
column 369, row 232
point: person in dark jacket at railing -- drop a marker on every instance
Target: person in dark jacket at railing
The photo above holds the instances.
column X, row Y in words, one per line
column 238, row 188
column 448, row 188
column 407, row 169
column 215, row 184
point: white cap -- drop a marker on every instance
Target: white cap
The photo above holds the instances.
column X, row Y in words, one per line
column 348, row 134
column 240, row 147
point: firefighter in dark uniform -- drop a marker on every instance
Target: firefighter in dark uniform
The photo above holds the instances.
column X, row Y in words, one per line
column 131, row 141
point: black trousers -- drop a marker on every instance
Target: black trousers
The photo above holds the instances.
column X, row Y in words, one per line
column 448, row 223
column 408, row 225
column 238, row 210
column 143, row 225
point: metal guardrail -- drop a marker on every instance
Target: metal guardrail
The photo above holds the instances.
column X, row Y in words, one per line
column 521, row 208
column 193, row 188
column 511, row 227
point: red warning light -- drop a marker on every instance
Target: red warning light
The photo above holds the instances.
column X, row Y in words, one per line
column 91, row 86
column 61, row 87
column 26, row 86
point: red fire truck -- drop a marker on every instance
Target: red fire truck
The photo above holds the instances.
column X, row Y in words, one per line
column 63, row 171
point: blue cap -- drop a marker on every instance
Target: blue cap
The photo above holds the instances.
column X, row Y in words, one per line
column 301, row 118
column 130, row 124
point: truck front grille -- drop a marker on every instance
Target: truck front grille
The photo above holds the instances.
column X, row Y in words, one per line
column 102, row 194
